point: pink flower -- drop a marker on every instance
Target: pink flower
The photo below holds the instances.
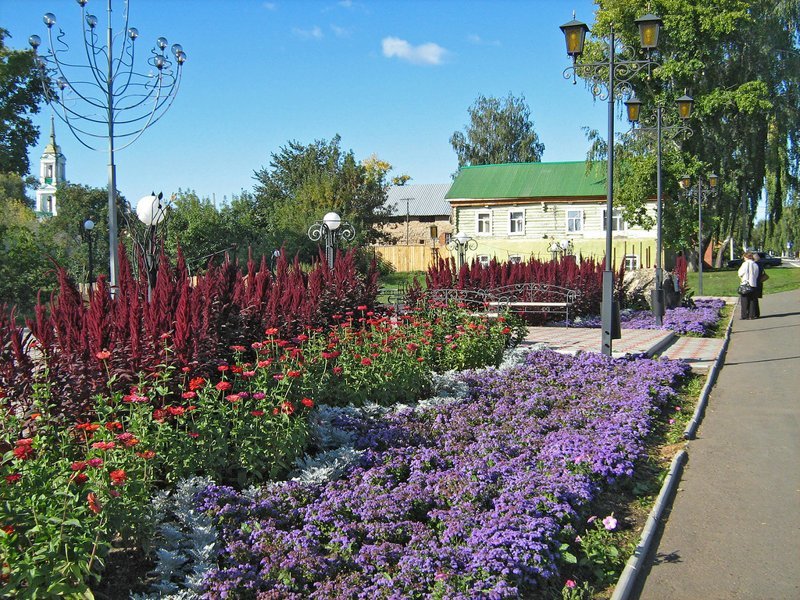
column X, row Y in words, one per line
column 610, row 523
column 569, row 583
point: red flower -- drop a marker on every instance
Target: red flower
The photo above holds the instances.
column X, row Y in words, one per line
column 94, row 505
column 111, row 425
column 233, row 398
column 236, row 369
column 118, row 477
column 222, row 368
column 8, row 529
column 188, row 395
column 294, row 374
column 24, row 450
column 88, row 426
column 307, row 402
column 127, row 439
column 366, row 362
column 278, row 376
column 104, row 445
column 176, row 411
column 159, row 414
column 196, row 383
column 223, row 385
column 271, row 331
column 79, row 465
column 505, row 330
column 80, row 478
column 95, row 462
column 362, row 307
column 103, row 355
column 238, row 348
column 257, row 413
column 147, row 454
column 337, row 370
column 193, row 434
column 287, row 408
column 13, row 478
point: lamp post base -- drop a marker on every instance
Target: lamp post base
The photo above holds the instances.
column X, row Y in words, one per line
column 609, row 314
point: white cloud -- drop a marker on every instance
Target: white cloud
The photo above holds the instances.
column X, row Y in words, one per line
column 424, row 54
column 270, row 5
column 315, row 33
column 479, row 41
column 341, row 32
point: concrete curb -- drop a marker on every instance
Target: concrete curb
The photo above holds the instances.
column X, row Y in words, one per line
column 700, row 409
column 630, row 573
column 662, row 345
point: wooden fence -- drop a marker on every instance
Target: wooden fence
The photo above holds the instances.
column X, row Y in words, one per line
column 410, row 258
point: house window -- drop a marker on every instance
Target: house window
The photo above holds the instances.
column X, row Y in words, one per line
column 483, row 222
column 631, row 262
column 483, row 259
column 574, row 220
column 516, row 222
column 617, row 223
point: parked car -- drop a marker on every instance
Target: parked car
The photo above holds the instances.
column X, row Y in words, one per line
column 762, row 257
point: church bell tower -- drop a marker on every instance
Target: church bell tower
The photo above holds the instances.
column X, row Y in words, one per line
column 52, row 171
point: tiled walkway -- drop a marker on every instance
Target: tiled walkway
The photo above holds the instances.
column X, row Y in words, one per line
column 699, row 352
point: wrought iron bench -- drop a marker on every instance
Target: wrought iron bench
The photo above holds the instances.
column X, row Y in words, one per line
column 531, row 298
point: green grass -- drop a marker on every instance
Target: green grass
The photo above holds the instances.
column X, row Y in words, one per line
column 397, row 280
column 723, row 282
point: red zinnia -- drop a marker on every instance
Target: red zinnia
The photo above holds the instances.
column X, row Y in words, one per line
column 366, row 362
column 307, row 402
column 95, row 462
column 287, row 408
column 80, row 478
column 79, row 465
column 294, row 374
column 13, row 478
column 94, row 505
column 118, row 477
column 8, row 529
column 196, row 383
column 223, row 385
column 271, row 331
column 103, row 355
column 257, row 413
column 104, row 445
column 147, row 454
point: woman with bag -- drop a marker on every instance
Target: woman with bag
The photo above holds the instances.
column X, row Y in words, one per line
column 748, row 275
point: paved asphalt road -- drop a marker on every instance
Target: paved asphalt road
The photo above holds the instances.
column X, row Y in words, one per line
column 734, row 528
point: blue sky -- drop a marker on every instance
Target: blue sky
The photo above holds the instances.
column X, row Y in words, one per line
column 394, row 78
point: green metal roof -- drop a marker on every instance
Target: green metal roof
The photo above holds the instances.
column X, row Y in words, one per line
column 529, row 180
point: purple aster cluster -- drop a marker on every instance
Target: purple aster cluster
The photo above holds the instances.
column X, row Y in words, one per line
column 469, row 500
column 699, row 319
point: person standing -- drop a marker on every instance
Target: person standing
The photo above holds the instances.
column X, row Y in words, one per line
column 748, row 276
column 762, row 277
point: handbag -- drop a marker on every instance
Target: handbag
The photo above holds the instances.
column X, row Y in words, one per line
column 746, row 288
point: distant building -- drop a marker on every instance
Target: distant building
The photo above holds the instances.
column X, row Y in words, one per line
column 523, row 210
column 52, row 171
column 415, row 209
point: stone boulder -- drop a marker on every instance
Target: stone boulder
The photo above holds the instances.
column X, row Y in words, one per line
column 642, row 282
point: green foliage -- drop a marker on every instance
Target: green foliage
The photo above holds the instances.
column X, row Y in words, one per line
column 20, row 94
column 740, row 61
column 499, row 131
column 304, row 182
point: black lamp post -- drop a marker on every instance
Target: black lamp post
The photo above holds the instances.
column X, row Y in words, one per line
column 633, row 106
column 331, row 227
column 151, row 211
column 610, row 77
column 87, row 232
column 701, row 193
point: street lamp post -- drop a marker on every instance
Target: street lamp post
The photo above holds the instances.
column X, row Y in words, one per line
column 701, row 193
column 633, row 106
column 461, row 242
column 87, row 232
column 151, row 212
column 610, row 77
column 331, row 227
column 105, row 99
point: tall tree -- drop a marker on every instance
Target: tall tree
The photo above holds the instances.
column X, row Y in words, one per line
column 20, row 95
column 306, row 181
column 499, row 131
column 740, row 62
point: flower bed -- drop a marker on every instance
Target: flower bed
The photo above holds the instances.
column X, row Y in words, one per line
column 476, row 499
column 700, row 319
column 71, row 487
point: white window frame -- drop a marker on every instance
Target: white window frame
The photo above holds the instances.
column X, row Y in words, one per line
column 478, row 215
column 631, row 262
column 617, row 222
column 483, row 259
column 577, row 219
column 520, row 221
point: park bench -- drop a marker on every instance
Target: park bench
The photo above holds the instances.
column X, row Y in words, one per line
column 521, row 298
column 529, row 298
